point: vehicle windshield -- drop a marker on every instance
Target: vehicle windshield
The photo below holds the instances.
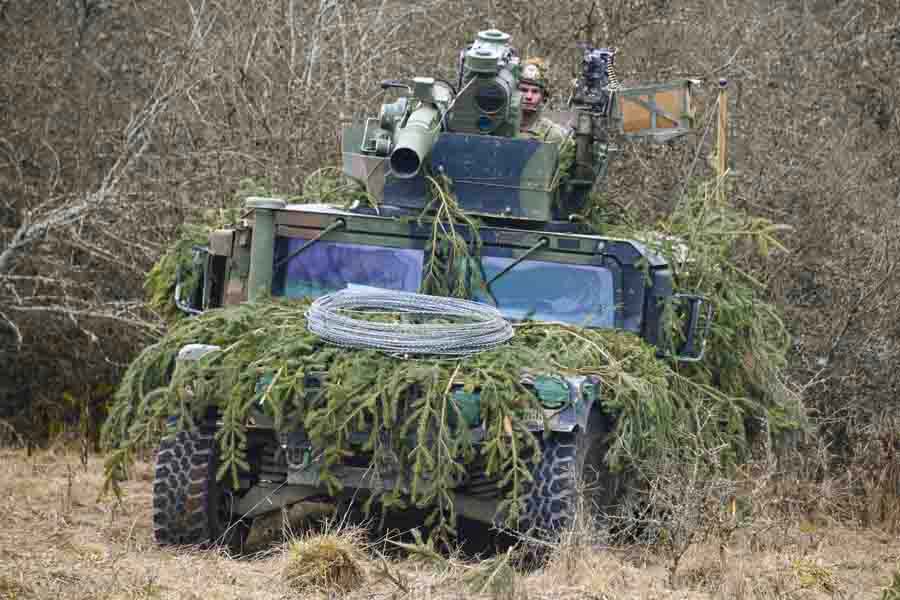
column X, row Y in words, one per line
column 326, row 267
column 537, row 290
column 546, row 291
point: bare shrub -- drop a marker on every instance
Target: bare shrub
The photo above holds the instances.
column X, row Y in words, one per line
column 75, row 238
column 9, row 436
column 873, row 474
column 684, row 500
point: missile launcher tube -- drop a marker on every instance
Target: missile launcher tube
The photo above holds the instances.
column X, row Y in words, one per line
column 413, row 142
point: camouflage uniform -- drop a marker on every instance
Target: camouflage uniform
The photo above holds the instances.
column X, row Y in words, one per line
column 551, row 132
column 545, row 130
column 568, row 199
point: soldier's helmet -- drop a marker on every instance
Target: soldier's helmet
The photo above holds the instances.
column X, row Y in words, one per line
column 534, row 72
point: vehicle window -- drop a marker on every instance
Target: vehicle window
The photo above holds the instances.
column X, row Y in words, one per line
column 326, row 267
column 546, row 291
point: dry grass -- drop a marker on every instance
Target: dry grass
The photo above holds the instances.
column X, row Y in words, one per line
column 330, row 561
column 59, row 541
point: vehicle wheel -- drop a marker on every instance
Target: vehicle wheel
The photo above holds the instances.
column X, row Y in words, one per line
column 190, row 507
column 571, row 470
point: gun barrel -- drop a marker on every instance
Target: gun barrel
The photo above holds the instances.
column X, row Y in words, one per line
column 413, row 142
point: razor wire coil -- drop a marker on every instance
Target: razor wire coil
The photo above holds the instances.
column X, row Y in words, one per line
column 474, row 327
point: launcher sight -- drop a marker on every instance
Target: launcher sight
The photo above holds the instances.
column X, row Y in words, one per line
column 467, row 130
column 488, row 99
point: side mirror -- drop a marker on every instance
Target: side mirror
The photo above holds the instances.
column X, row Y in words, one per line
column 190, row 287
column 699, row 314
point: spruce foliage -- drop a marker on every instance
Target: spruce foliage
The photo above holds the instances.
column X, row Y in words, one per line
column 451, row 268
column 371, row 392
column 712, row 249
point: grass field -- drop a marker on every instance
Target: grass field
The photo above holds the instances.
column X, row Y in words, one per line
column 60, row 539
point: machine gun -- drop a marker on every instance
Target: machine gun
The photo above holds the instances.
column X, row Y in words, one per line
column 592, row 98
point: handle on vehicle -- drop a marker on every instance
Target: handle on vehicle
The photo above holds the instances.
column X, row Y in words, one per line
column 695, row 341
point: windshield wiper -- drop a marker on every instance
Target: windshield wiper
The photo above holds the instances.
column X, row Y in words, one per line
column 336, row 225
column 541, row 243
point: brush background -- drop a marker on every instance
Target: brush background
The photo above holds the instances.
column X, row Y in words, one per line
column 260, row 92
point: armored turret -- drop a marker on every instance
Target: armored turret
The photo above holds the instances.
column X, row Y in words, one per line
column 470, row 134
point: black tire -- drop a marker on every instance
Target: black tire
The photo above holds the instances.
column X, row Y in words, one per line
column 570, row 475
column 552, row 496
column 190, row 507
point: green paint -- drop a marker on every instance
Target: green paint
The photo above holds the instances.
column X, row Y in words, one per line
column 413, row 141
column 469, row 406
column 262, row 246
column 552, row 391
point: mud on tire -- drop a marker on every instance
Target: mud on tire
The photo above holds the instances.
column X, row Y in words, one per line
column 189, row 506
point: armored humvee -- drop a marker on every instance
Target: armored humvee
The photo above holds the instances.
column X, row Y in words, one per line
column 539, row 266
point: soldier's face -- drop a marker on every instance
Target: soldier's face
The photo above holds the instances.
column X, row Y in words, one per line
column 532, row 97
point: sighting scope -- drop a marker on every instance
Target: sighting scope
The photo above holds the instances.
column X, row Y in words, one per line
column 488, row 98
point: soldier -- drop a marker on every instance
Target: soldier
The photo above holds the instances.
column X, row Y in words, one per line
column 535, row 93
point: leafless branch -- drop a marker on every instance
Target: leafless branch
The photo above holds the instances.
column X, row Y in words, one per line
column 146, row 327
column 10, row 325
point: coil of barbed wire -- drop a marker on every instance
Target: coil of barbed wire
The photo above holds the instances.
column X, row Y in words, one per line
column 338, row 318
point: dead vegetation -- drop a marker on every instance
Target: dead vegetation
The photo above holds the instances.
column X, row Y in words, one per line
column 326, row 561
column 60, row 540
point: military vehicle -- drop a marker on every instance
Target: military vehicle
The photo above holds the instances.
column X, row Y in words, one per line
column 539, row 265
